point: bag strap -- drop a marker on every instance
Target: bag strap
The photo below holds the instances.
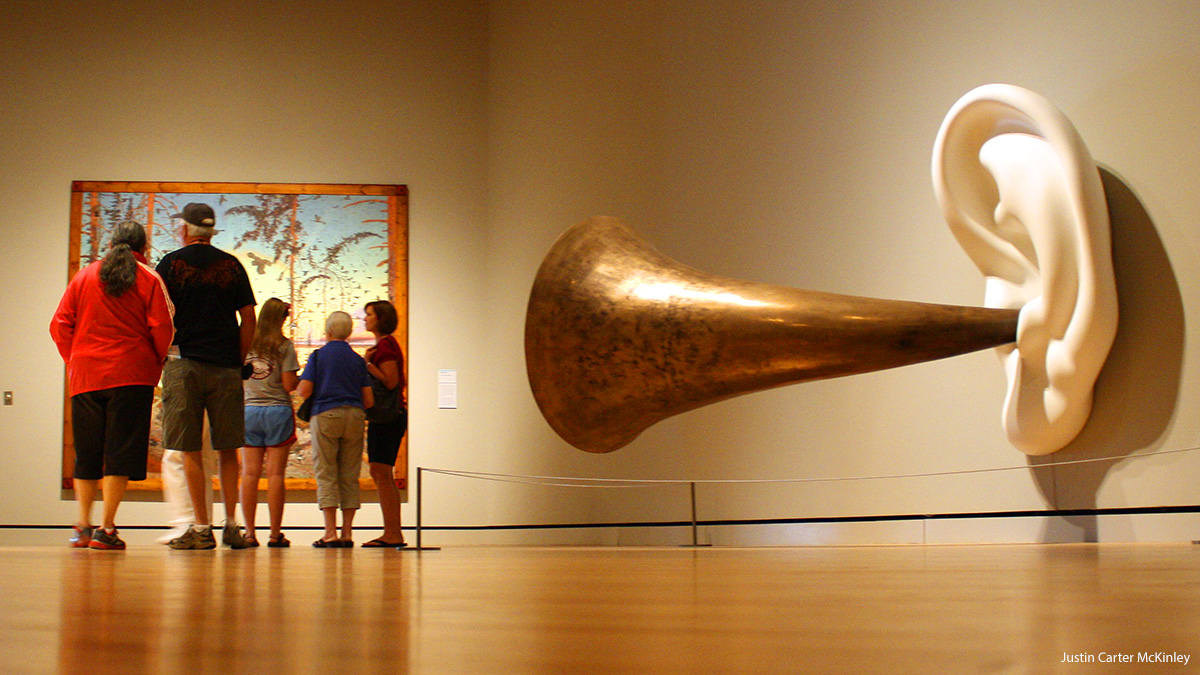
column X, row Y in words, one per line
column 312, row 359
column 399, row 365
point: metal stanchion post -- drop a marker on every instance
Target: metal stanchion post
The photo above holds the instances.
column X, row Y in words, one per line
column 695, row 533
column 695, row 523
column 420, row 492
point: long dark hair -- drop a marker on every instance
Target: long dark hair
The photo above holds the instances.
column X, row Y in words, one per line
column 118, row 272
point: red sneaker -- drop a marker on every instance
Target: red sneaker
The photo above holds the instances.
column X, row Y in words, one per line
column 80, row 536
column 106, row 541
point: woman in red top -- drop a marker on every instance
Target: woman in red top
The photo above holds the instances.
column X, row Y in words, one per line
column 385, row 362
column 113, row 327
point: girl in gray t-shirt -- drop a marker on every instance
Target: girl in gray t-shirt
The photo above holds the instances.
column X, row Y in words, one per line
column 270, row 421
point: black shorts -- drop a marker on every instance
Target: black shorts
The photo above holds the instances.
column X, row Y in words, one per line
column 111, row 428
column 383, row 440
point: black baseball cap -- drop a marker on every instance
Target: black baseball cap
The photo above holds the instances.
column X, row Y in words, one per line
column 198, row 214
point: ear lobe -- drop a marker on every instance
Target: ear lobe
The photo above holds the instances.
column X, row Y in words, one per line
column 1024, row 199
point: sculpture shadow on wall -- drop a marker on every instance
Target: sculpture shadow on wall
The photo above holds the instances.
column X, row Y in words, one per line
column 1137, row 391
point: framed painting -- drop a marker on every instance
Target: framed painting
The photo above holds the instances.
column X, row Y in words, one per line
column 319, row 247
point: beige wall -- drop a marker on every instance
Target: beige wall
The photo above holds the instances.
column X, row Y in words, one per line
column 790, row 142
column 386, row 92
column 784, row 142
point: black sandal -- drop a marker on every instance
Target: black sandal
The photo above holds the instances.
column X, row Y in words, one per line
column 278, row 542
column 321, row 543
column 380, row 543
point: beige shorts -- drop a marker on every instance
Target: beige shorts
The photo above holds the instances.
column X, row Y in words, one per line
column 189, row 389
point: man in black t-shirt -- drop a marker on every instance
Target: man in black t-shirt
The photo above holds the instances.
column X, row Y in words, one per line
column 214, row 325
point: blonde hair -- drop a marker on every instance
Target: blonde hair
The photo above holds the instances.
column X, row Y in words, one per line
column 339, row 325
column 268, row 332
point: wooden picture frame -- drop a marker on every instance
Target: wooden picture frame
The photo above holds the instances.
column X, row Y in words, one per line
column 320, row 247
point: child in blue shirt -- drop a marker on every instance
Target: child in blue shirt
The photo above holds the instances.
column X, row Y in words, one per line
column 336, row 377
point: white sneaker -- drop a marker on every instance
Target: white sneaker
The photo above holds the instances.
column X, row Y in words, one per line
column 173, row 533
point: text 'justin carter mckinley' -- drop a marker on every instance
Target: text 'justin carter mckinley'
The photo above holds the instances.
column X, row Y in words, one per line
column 1140, row 657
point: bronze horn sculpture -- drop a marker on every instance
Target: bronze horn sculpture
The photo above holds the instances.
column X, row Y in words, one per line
column 619, row 337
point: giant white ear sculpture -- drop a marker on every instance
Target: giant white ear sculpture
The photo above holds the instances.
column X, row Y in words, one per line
column 1024, row 199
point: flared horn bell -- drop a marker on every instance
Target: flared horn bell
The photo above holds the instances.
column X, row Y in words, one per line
column 619, row 336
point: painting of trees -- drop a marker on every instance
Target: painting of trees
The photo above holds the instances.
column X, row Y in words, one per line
column 320, row 248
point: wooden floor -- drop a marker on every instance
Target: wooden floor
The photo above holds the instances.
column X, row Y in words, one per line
column 501, row 610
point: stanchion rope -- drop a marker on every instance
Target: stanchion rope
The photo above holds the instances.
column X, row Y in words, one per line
column 625, row 483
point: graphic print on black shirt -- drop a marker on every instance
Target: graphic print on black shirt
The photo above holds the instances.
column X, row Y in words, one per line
column 208, row 286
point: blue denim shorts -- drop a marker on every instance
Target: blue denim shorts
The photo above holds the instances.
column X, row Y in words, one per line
column 269, row 426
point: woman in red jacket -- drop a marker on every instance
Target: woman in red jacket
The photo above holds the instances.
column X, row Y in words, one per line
column 113, row 328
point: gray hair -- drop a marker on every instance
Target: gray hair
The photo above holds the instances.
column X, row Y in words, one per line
column 339, row 325
column 118, row 271
column 199, row 231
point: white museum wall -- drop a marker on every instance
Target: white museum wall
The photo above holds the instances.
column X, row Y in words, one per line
column 781, row 142
column 790, row 143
